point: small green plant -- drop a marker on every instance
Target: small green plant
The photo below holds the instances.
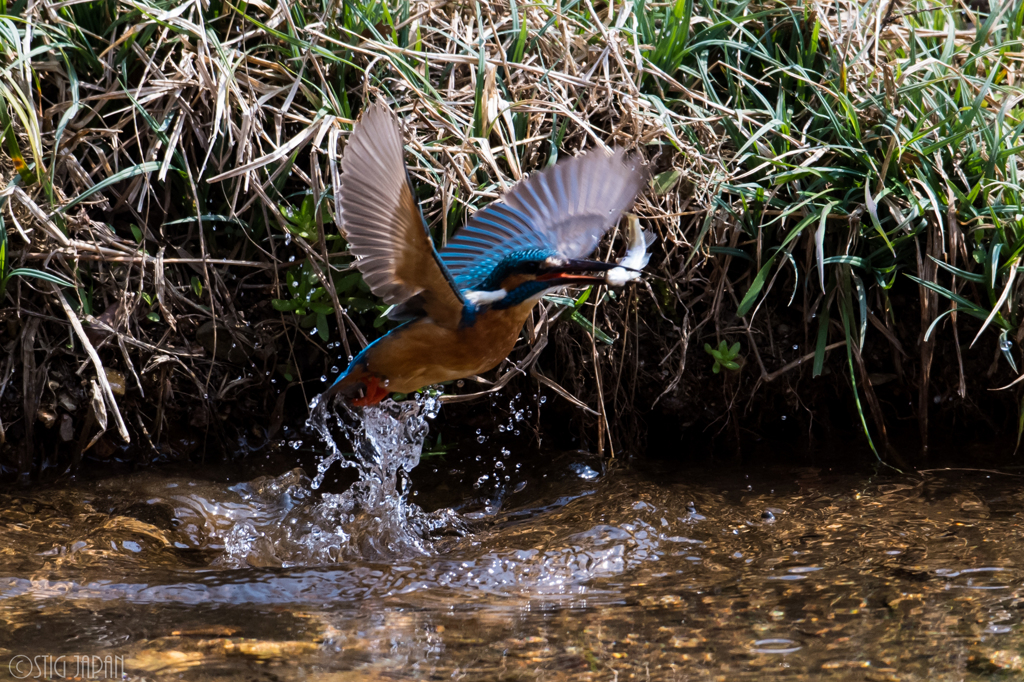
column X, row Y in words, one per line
column 310, row 301
column 725, row 356
column 152, row 315
column 302, row 221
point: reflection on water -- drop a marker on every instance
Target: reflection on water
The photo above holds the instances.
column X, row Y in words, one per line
column 567, row 572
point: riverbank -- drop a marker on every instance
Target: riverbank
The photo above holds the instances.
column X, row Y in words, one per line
column 834, row 189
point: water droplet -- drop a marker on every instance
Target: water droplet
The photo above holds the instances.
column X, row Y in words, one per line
column 323, row 377
column 334, row 369
column 543, row 399
column 783, row 417
column 1005, row 345
column 481, row 439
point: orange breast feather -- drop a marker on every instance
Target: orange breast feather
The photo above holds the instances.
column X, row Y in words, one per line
column 423, row 353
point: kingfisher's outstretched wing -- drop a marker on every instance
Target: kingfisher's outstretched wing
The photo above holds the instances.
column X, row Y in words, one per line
column 384, row 226
column 563, row 210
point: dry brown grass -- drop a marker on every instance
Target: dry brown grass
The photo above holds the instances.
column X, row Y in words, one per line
column 167, row 149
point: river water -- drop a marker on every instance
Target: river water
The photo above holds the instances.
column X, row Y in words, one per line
column 547, row 566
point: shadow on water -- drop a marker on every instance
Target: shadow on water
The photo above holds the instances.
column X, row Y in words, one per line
column 559, row 570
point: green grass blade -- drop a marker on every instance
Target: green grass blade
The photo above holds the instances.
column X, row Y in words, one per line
column 138, row 169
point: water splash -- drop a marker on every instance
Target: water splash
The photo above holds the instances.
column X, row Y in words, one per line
column 388, row 437
column 374, row 512
column 286, row 524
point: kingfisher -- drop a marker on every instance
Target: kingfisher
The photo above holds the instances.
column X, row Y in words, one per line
column 465, row 305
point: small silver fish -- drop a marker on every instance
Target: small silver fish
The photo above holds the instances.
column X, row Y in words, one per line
column 636, row 256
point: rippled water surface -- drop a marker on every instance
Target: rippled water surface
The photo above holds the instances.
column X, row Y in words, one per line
column 567, row 570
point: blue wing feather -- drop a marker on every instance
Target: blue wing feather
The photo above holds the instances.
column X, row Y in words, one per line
column 563, row 211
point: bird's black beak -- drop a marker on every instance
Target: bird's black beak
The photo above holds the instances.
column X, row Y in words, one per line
column 574, row 271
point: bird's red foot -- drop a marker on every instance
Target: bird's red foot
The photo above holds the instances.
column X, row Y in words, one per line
column 373, row 395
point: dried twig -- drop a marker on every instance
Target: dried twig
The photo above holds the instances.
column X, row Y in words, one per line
column 101, row 374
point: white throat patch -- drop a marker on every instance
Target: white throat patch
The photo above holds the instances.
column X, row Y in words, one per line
column 484, row 297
